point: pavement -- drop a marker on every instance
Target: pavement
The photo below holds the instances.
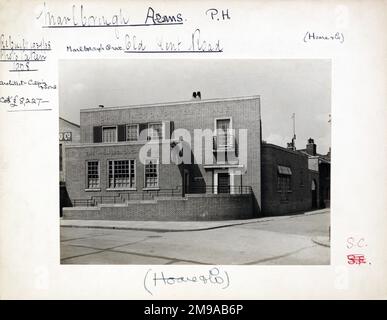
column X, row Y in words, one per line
column 285, row 240
column 172, row 226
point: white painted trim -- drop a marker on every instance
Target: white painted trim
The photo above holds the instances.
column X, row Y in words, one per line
column 215, row 178
column 162, row 128
column 87, row 176
column 107, row 174
column 112, row 126
column 222, row 166
column 222, row 118
column 158, row 175
column 172, row 103
column 114, row 144
column 138, row 131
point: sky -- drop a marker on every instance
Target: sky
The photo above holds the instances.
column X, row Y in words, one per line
column 289, row 86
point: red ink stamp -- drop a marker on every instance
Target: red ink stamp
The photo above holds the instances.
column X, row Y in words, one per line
column 356, row 259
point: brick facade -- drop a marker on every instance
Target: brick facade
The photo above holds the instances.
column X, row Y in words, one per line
column 191, row 115
column 190, row 208
column 299, row 197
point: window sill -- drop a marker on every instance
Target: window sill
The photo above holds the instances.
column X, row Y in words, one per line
column 91, row 190
column 150, row 189
column 121, row 189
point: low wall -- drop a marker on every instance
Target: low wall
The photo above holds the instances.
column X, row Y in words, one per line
column 278, row 208
column 190, row 208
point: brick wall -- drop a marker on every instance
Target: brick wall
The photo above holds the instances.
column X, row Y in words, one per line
column 191, row 208
column 300, row 197
column 245, row 114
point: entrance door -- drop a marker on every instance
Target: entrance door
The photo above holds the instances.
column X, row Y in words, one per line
column 186, row 181
column 314, row 194
column 223, row 183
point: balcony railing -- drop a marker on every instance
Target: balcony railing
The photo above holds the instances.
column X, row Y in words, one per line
column 224, row 141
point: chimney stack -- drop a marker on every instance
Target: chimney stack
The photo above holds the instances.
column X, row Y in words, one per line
column 311, row 147
column 290, row 146
column 196, row 95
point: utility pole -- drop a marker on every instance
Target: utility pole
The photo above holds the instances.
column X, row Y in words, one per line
column 294, row 131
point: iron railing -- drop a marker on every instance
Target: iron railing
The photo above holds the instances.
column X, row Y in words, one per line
column 122, row 197
column 211, row 189
column 224, row 141
column 84, row 203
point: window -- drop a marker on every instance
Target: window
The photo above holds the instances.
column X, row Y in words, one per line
column 132, row 132
column 92, row 174
column 223, row 125
column 155, row 131
column 224, row 137
column 109, row 134
column 283, row 183
column 121, row 174
column 151, row 174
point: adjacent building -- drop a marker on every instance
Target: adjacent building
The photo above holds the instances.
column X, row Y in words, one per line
column 69, row 133
column 294, row 180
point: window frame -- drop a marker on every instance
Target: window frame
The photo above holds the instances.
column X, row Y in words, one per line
column 162, row 130
column 222, row 118
column 287, row 179
column 133, row 187
column 88, row 188
column 230, row 134
column 112, row 126
column 138, row 131
column 156, row 161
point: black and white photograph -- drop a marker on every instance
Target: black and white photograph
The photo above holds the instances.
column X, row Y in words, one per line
column 195, row 161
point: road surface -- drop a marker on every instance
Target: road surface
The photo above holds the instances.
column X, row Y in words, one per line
column 285, row 241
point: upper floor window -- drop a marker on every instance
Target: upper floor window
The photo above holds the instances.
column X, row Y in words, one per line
column 155, row 130
column 223, row 125
column 109, row 134
column 132, row 132
column 224, row 138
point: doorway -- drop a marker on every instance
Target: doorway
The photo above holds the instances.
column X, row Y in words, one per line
column 314, row 194
column 224, row 182
column 186, row 181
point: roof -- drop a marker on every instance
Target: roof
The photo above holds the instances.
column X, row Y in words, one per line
column 323, row 157
column 72, row 123
column 270, row 145
column 166, row 104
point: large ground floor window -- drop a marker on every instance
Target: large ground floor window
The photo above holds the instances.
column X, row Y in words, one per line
column 93, row 174
column 122, row 174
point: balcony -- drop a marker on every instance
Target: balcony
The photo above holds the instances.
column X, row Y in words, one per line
column 224, row 141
